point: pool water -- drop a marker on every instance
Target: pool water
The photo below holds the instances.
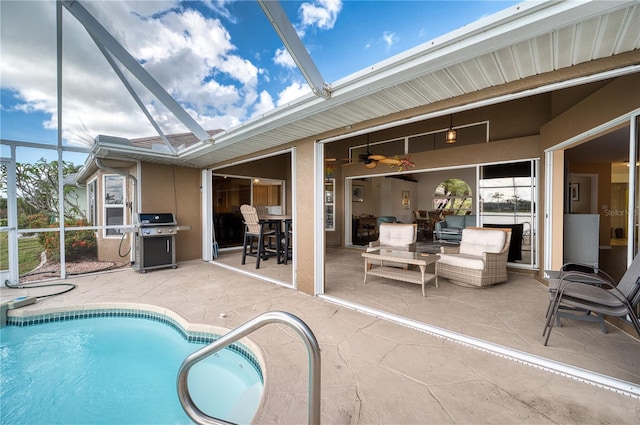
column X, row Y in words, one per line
column 116, row 371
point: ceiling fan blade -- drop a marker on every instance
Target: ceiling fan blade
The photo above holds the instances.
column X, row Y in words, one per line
column 390, row 161
column 377, row 157
column 371, row 164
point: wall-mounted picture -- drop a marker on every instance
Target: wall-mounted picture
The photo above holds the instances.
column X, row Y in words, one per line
column 406, row 199
column 357, row 193
column 575, row 191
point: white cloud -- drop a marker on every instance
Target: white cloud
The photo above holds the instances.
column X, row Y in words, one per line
column 190, row 55
column 264, row 104
column 283, row 58
column 293, row 91
column 321, row 13
column 389, row 38
column 220, row 7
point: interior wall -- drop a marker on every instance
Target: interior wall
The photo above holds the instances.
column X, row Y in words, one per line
column 581, row 204
column 172, row 189
column 603, row 171
column 390, row 201
column 618, row 210
column 370, row 204
column 508, row 120
column 277, row 167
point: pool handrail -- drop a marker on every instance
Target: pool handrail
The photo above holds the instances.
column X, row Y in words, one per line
column 313, row 351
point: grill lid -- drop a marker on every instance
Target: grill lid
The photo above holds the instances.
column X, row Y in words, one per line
column 156, row 219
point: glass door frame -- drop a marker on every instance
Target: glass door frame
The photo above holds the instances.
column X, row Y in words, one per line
column 554, row 181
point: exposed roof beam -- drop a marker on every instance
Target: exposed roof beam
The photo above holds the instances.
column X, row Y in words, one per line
column 296, row 49
column 98, row 32
column 133, row 94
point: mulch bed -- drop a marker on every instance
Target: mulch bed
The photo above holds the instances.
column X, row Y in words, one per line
column 51, row 269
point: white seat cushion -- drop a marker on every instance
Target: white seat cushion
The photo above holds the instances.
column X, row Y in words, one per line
column 396, row 234
column 475, row 241
column 464, row 261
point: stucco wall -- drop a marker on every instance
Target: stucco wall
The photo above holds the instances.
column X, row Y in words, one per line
column 171, row 189
column 304, row 226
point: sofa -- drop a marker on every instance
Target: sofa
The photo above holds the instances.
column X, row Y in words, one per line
column 387, row 219
column 450, row 229
column 479, row 261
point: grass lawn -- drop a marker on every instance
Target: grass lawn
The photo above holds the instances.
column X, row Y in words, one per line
column 29, row 250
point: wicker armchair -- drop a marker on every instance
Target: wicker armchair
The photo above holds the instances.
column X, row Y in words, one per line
column 479, row 261
column 396, row 237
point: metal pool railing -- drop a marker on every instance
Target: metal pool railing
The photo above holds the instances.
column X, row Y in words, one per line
column 313, row 351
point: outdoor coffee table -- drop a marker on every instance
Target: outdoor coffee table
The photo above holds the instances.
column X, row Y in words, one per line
column 374, row 265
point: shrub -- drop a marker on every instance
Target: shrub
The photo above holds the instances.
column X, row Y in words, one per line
column 32, row 221
column 78, row 244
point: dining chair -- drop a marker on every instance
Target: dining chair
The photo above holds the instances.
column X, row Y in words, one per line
column 259, row 232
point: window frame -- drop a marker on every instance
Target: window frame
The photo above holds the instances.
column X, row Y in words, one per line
column 111, row 233
column 92, row 201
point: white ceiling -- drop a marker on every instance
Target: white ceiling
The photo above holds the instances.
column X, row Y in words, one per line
column 525, row 40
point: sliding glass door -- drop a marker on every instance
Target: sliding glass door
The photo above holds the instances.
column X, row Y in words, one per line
column 507, row 198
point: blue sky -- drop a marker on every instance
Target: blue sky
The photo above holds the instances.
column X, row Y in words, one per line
column 220, row 59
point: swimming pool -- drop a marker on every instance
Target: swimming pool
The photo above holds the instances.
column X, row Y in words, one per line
column 122, row 370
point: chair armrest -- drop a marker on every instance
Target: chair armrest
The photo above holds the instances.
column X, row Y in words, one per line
column 578, row 267
column 438, row 225
column 587, row 273
column 582, row 278
column 495, row 257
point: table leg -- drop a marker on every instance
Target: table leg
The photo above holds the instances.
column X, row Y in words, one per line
column 422, row 270
column 278, row 230
column 366, row 269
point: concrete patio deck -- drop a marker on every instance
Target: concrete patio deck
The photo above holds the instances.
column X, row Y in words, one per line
column 378, row 371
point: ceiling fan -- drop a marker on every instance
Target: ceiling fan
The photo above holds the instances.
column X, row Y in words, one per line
column 371, row 161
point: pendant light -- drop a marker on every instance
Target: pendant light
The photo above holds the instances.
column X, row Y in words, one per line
column 451, row 133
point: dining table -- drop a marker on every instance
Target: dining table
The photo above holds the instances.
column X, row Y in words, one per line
column 282, row 223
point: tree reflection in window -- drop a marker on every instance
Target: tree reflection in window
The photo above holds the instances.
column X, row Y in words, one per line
column 453, row 196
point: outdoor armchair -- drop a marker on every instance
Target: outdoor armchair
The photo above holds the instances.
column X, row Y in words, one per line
column 395, row 236
column 479, row 261
column 591, row 293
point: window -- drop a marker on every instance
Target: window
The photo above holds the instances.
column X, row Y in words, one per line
column 329, row 204
column 507, row 199
column 92, row 202
column 114, row 203
column 506, row 192
column 453, row 196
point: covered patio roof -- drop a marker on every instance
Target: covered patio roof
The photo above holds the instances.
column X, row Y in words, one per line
column 518, row 44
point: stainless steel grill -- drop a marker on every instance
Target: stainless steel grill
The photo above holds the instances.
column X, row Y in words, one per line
column 155, row 241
